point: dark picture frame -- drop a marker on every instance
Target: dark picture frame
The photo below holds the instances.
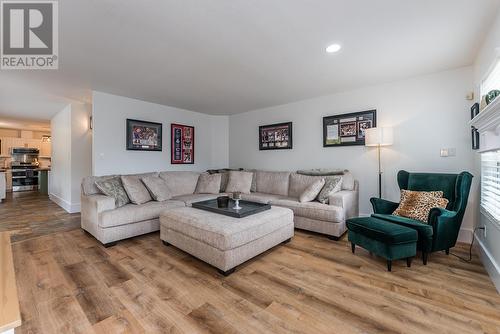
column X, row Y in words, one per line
column 474, row 111
column 182, row 144
column 348, row 129
column 277, row 136
column 143, row 135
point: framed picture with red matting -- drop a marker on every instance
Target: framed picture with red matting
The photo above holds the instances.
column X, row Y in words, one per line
column 182, row 145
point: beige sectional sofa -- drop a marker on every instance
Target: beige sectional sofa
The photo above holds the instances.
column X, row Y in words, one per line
column 109, row 224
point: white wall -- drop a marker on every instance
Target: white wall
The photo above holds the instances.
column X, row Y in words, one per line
column 60, row 176
column 428, row 113
column 109, row 154
column 71, row 155
column 489, row 242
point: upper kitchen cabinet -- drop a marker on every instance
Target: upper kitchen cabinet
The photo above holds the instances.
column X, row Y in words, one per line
column 45, row 149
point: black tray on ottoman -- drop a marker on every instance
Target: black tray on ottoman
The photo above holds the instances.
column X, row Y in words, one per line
column 247, row 208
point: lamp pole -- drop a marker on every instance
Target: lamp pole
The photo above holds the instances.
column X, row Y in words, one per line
column 379, row 174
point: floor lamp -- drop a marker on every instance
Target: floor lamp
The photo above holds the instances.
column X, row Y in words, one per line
column 379, row 137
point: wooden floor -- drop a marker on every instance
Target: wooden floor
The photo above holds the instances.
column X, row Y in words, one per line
column 69, row 283
column 31, row 214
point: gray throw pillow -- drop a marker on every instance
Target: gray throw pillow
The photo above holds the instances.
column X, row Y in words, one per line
column 310, row 193
column 208, row 184
column 157, row 188
column 136, row 190
column 113, row 187
column 239, row 182
column 332, row 185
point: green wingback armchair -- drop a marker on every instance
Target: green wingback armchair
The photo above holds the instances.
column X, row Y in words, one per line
column 443, row 225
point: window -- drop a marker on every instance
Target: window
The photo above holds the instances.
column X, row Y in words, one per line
column 490, row 184
column 492, row 80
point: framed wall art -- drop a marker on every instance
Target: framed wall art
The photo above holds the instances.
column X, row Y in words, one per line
column 143, row 135
column 348, row 129
column 275, row 136
column 182, row 144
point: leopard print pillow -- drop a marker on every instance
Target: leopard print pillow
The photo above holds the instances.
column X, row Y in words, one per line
column 417, row 204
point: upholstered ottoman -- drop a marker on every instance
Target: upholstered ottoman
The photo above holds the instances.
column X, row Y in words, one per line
column 222, row 241
column 388, row 240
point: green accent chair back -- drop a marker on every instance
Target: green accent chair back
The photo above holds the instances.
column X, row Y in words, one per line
column 445, row 223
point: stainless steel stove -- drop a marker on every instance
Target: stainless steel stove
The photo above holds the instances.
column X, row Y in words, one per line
column 24, row 167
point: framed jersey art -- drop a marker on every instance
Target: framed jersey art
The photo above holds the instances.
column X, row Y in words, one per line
column 182, row 145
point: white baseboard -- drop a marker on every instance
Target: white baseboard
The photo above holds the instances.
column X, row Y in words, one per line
column 69, row 207
column 465, row 235
column 491, row 266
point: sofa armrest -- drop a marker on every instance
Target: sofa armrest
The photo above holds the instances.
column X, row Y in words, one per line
column 91, row 208
column 347, row 200
column 100, row 203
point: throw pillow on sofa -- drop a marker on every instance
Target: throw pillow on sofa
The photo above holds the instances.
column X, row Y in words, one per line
column 239, row 182
column 208, row 184
column 113, row 187
column 312, row 191
column 157, row 188
column 417, row 204
column 332, row 185
column 136, row 190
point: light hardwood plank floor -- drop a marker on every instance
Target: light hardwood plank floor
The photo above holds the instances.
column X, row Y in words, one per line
column 69, row 283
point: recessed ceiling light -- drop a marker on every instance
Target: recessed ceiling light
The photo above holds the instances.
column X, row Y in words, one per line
column 333, row 48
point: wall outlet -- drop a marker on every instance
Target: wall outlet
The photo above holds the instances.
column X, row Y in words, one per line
column 448, row 152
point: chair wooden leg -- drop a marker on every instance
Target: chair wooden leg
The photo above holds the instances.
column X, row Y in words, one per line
column 424, row 257
column 408, row 262
column 226, row 273
column 447, row 251
column 389, row 265
column 165, row 243
column 353, row 247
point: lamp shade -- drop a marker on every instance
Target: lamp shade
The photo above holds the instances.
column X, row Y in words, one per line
column 381, row 136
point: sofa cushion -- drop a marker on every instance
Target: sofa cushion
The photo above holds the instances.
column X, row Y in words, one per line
column 299, row 183
column 332, row 185
column 312, row 191
column 135, row 188
column 132, row 213
column 312, row 210
column 275, row 183
column 190, row 199
column 348, row 181
column 113, row 187
column 261, row 197
column 223, row 232
column 157, row 187
column 253, row 188
column 239, row 182
column 422, row 229
column 88, row 184
column 208, row 184
column 180, row 183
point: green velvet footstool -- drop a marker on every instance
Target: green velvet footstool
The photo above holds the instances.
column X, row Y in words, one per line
column 388, row 240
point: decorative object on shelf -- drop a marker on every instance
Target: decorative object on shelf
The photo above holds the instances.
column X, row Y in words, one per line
column 237, row 198
column 144, row 136
column 492, row 95
column 474, row 111
column 348, row 129
column 275, row 136
column 483, row 103
column 382, row 136
column 222, row 201
column 182, row 144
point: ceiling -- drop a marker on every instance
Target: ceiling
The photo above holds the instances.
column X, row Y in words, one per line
column 231, row 56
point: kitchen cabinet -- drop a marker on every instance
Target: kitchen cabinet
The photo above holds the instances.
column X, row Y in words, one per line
column 8, row 179
column 45, row 149
column 8, row 142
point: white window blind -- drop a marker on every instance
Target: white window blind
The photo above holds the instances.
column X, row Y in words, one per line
column 490, row 183
column 492, row 80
